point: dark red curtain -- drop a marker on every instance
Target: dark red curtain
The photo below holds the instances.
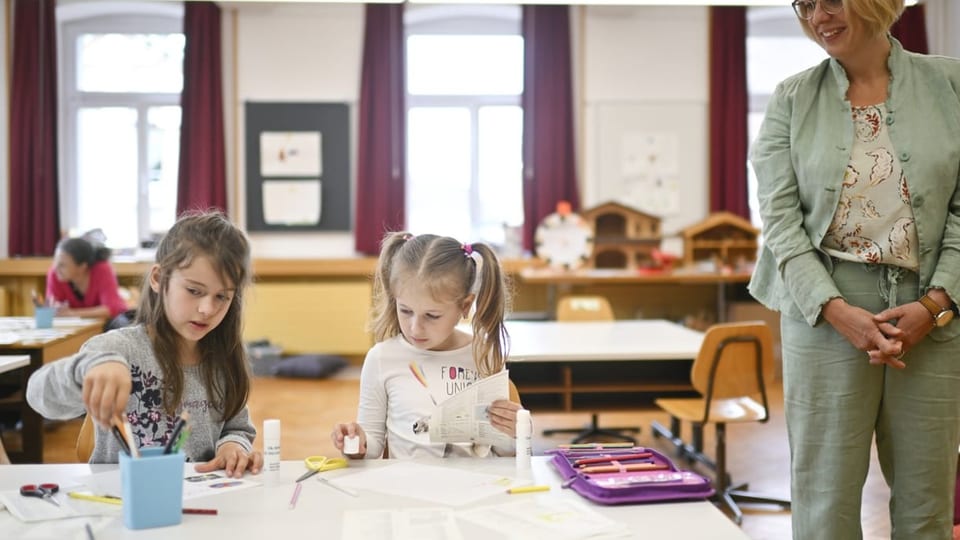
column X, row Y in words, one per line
column 34, row 197
column 202, row 181
column 728, row 111
column 549, row 165
column 911, row 30
column 381, row 148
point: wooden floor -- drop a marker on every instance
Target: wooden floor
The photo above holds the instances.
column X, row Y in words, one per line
column 757, row 453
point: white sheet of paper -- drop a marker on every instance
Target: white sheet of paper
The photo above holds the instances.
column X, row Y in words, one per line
column 406, row 524
column 291, row 153
column 546, row 517
column 463, row 416
column 32, row 509
column 441, row 485
column 291, row 202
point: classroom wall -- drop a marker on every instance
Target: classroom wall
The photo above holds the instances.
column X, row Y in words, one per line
column 312, row 53
column 639, row 69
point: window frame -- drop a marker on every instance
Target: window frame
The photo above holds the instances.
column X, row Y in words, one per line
column 462, row 20
column 72, row 100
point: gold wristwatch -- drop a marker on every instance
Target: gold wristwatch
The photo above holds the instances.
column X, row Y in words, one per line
column 941, row 315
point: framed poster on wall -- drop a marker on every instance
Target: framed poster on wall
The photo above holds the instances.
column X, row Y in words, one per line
column 298, row 166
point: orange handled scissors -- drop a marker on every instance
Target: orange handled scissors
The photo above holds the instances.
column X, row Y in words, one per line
column 41, row 491
column 321, row 463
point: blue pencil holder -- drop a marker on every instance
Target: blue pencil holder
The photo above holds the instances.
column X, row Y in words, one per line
column 152, row 488
column 43, row 316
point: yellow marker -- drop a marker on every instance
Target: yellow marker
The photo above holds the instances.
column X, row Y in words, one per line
column 109, row 499
column 527, row 489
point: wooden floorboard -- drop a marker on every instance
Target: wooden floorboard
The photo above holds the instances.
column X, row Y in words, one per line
column 757, row 453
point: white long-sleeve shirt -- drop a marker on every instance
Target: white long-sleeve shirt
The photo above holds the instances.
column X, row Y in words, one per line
column 399, row 388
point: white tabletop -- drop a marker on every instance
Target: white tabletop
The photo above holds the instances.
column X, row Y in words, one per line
column 9, row 362
column 647, row 339
column 263, row 512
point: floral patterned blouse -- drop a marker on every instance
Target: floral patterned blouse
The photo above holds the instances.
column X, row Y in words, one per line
column 874, row 220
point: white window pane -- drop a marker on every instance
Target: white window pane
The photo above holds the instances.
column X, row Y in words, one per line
column 772, row 59
column 107, row 173
column 465, row 65
column 130, row 62
column 163, row 155
column 500, row 171
column 438, row 164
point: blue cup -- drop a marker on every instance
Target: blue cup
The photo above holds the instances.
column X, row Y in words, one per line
column 152, row 487
column 43, row 316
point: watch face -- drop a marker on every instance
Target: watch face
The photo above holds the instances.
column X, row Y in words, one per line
column 944, row 317
column 564, row 241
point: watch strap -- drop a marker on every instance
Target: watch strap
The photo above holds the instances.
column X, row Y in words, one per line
column 937, row 312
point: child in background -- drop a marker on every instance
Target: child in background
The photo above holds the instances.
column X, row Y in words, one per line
column 424, row 285
column 81, row 282
column 185, row 353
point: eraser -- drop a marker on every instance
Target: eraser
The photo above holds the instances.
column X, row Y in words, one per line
column 351, row 445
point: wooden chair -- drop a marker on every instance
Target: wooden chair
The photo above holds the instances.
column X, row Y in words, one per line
column 86, row 440
column 730, row 373
column 577, row 308
column 584, row 308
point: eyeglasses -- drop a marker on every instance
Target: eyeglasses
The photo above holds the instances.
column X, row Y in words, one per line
column 805, row 8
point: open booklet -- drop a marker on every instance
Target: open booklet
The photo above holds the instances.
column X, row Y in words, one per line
column 463, row 416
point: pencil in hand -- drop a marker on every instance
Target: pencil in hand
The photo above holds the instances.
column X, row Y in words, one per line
column 126, row 432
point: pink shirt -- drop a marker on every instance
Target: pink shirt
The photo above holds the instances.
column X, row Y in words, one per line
column 103, row 290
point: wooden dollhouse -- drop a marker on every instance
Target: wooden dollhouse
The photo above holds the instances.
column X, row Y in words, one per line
column 624, row 237
column 726, row 239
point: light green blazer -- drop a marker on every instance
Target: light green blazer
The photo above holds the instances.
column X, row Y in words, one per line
column 800, row 155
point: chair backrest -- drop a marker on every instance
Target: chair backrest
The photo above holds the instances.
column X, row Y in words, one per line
column 514, row 393
column 584, row 308
column 85, row 440
column 735, row 360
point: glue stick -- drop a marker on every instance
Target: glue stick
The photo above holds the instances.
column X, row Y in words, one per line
column 524, row 446
column 271, row 450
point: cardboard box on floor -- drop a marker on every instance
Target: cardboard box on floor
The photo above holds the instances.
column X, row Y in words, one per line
column 753, row 311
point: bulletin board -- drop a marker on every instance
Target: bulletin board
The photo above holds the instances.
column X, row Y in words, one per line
column 298, row 166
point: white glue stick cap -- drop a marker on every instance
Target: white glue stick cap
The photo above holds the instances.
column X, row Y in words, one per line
column 524, row 425
column 271, row 429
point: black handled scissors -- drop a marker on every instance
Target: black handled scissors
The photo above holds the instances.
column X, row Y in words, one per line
column 41, row 491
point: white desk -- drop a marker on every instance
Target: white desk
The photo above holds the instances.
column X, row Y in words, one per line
column 262, row 512
column 590, row 366
column 632, row 340
column 600, row 366
column 10, row 362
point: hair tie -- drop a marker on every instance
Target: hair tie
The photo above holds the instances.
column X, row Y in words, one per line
column 469, row 253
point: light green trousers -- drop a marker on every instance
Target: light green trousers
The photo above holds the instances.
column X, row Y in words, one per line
column 836, row 403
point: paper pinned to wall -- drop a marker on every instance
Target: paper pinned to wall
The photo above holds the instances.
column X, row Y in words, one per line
column 649, row 169
column 292, row 202
column 291, row 153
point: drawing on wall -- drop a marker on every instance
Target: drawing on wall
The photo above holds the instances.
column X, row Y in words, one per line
column 291, row 202
column 649, row 170
column 291, row 153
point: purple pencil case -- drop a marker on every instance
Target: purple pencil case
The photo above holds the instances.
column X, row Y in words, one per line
column 624, row 475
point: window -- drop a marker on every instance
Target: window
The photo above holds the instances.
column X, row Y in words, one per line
column 121, row 79
column 776, row 49
column 464, row 121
